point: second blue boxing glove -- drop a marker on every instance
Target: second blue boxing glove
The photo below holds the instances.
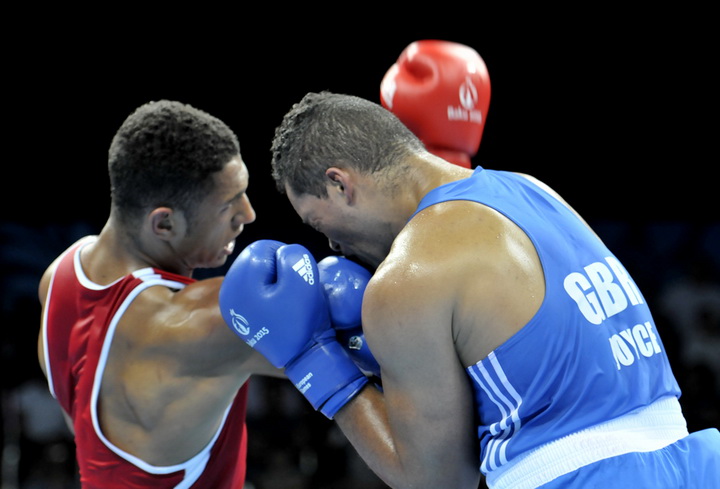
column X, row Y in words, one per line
column 344, row 283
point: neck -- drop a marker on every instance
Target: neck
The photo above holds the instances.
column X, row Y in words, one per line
column 120, row 251
column 431, row 172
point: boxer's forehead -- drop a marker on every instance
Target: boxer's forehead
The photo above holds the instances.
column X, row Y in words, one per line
column 232, row 181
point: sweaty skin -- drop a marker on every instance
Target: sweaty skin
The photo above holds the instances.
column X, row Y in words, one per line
column 174, row 366
column 493, row 312
column 451, row 285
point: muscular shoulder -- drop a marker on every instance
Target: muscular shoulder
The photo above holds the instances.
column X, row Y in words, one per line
column 416, row 286
column 451, row 242
column 460, row 264
column 186, row 324
column 184, row 315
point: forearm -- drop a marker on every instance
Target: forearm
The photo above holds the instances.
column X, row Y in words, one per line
column 365, row 423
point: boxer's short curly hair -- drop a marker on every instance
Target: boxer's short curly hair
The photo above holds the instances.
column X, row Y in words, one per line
column 164, row 154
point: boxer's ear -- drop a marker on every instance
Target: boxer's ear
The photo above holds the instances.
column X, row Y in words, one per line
column 162, row 222
column 340, row 181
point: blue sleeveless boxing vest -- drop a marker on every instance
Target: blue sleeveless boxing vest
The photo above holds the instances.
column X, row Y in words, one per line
column 590, row 355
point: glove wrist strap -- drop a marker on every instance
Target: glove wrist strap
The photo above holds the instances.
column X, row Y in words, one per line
column 327, row 377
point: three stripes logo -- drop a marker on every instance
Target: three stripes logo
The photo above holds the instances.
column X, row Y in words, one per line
column 304, row 268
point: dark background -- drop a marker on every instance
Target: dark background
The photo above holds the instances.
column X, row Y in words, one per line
column 614, row 108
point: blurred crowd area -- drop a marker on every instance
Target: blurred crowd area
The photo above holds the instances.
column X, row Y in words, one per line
column 675, row 264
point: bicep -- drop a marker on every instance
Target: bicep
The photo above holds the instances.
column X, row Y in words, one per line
column 429, row 404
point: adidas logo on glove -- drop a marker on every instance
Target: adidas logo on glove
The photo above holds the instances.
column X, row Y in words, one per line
column 304, row 268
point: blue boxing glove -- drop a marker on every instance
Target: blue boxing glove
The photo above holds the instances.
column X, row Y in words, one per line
column 344, row 283
column 272, row 298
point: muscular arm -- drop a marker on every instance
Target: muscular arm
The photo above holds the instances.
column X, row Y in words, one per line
column 459, row 281
column 418, row 433
column 192, row 319
column 173, row 359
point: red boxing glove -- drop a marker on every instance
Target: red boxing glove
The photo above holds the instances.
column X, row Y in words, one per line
column 441, row 91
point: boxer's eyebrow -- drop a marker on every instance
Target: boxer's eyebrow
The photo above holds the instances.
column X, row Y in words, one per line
column 236, row 197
